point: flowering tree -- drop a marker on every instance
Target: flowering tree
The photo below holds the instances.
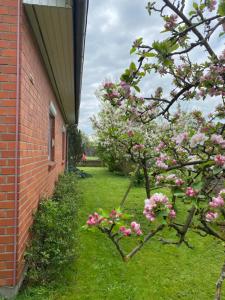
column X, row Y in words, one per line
column 185, row 158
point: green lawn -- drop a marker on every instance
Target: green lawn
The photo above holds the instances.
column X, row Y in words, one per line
column 92, row 158
column 157, row 272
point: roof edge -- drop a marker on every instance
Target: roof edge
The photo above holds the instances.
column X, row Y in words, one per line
column 80, row 13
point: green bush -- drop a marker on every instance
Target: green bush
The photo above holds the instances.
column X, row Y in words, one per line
column 53, row 233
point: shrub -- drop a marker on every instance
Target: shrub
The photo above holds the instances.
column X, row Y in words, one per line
column 53, row 233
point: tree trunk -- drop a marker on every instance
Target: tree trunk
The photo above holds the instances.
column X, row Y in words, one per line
column 219, row 283
column 147, row 183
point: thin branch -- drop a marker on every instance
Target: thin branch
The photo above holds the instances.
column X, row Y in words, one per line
column 129, row 187
column 189, row 24
column 148, row 237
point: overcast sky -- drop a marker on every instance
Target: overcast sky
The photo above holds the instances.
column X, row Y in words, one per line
column 112, row 27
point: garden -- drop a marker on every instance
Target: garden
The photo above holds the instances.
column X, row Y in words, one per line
column 157, row 272
column 152, row 224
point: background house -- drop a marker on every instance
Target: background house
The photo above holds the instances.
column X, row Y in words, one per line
column 41, row 57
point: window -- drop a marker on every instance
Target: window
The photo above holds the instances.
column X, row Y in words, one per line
column 63, row 144
column 51, row 133
column 51, row 141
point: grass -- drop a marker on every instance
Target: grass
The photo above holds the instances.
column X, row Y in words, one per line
column 157, row 272
column 92, row 158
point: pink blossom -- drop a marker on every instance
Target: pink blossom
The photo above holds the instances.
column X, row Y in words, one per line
column 171, row 22
column 217, row 139
column 210, row 216
column 130, row 133
column 125, row 231
column 180, row 138
column 139, row 232
column 159, row 178
column 217, row 202
column 219, row 160
column 159, row 198
column 156, row 201
column 160, row 161
column 138, row 147
column 190, row 192
column 211, row 5
column 125, row 86
column 94, row 219
column 174, row 162
column 150, row 216
column 198, row 139
column 136, row 228
column 179, row 182
column 160, row 146
column 161, row 164
column 171, row 177
column 172, row 214
column 114, row 214
column 108, row 85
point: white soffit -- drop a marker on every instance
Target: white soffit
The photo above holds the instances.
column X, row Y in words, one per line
column 58, row 3
column 52, row 23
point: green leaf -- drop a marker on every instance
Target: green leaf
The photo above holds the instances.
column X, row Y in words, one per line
column 195, row 5
column 126, row 216
column 202, row 6
column 137, row 88
column 133, row 66
column 221, row 34
column 221, row 8
column 85, row 227
column 132, row 50
column 192, row 12
column 201, row 196
column 149, row 54
column 179, row 194
column 198, row 185
column 216, row 170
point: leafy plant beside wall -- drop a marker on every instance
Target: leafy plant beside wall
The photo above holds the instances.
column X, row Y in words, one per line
column 53, row 233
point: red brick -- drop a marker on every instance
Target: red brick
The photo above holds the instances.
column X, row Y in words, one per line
column 4, row 10
column 8, row 52
column 8, row 86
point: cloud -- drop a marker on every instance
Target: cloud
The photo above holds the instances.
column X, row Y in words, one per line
column 112, row 27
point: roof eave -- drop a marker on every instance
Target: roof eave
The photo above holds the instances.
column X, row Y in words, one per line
column 80, row 12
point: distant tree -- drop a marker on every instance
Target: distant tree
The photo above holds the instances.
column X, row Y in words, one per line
column 90, row 146
column 75, row 147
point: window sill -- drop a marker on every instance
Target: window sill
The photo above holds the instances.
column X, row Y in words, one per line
column 51, row 165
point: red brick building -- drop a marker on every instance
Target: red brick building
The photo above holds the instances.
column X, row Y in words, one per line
column 41, row 56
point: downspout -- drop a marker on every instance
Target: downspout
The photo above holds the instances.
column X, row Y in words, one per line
column 17, row 143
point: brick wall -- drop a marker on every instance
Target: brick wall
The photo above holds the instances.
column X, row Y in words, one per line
column 35, row 178
column 8, row 71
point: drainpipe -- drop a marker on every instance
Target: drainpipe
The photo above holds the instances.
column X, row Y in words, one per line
column 17, row 143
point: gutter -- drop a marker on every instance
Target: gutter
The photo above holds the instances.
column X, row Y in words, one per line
column 80, row 12
column 18, row 41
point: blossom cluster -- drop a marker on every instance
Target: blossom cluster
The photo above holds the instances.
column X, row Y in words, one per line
column 220, row 160
column 94, row 219
column 135, row 228
column 190, row 192
column 215, row 203
column 171, row 179
column 211, row 5
column 170, row 22
column 157, row 203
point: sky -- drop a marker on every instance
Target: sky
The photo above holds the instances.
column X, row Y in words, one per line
column 112, row 27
